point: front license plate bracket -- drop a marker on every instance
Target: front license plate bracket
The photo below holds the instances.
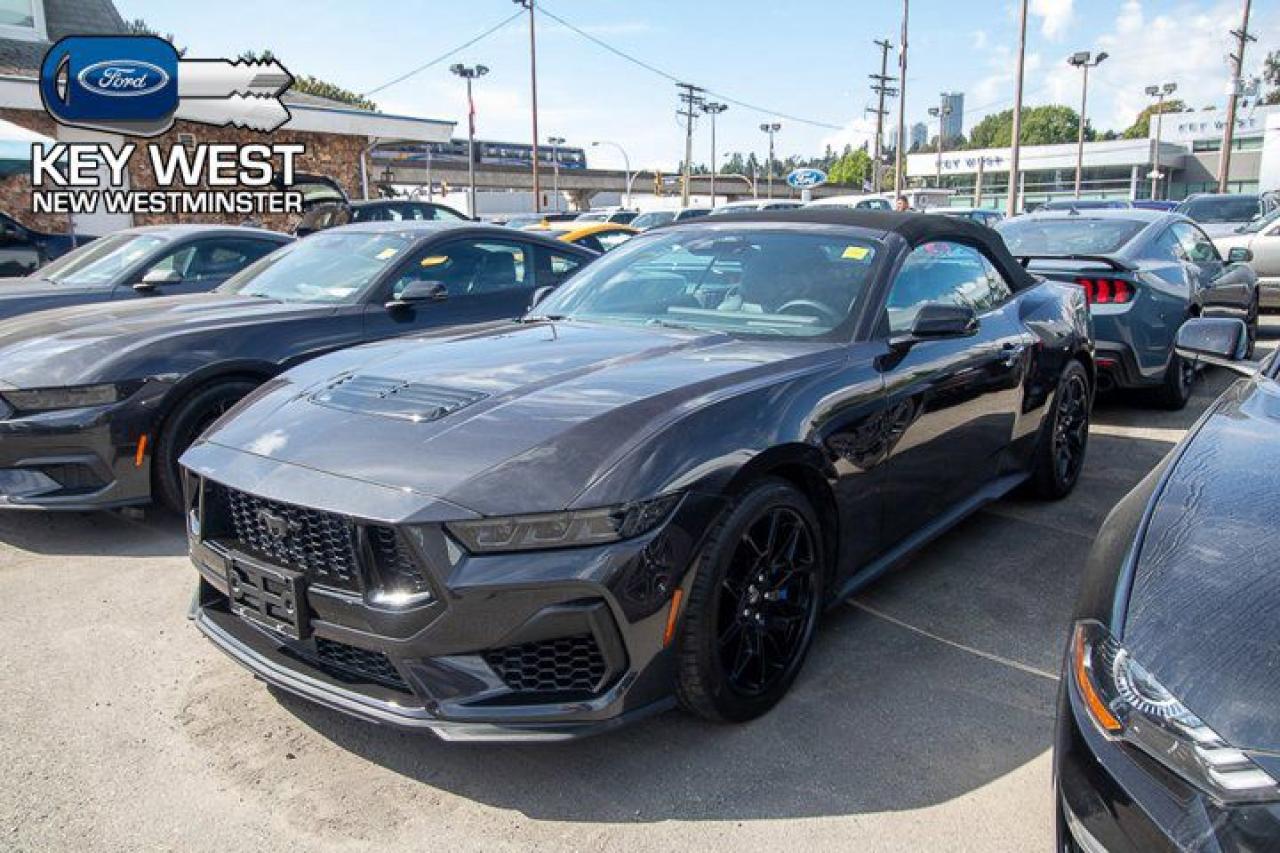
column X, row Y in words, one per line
column 270, row 597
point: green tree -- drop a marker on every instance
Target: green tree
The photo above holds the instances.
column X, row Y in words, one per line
column 853, row 167
column 314, row 85
column 1141, row 127
column 1046, row 125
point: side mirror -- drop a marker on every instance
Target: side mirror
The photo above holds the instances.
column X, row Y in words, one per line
column 539, row 295
column 419, row 291
column 944, row 320
column 1216, row 340
column 155, row 278
column 1239, row 255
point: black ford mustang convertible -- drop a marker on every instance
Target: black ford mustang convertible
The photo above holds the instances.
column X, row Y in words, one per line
column 647, row 489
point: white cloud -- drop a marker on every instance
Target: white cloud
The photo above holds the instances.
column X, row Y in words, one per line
column 855, row 132
column 1055, row 16
column 980, row 40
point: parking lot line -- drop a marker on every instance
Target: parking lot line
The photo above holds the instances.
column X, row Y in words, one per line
column 1000, row 659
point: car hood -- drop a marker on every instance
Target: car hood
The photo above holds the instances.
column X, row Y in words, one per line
column 78, row 344
column 1205, row 601
column 519, row 420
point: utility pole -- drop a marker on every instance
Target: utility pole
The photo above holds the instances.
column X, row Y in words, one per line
column 899, row 161
column 690, row 98
column 770, row 128
column 713, row 109
column 470, row 73
column 940, row 112
column 533, row 94
column 1012, row 207
column 1237, row 69
column 881, row 87
column 1082, row 60
column 1159, row 93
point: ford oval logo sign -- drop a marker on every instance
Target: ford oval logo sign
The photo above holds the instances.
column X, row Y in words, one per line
column 123, row 79
column 803, row 179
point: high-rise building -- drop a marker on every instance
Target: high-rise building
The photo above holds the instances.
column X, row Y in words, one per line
column 919, row 135
column 953, row 122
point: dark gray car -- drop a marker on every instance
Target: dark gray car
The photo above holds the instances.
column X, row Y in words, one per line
column 157, row 260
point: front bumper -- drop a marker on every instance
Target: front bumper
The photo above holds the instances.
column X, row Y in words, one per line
column 1112, row 797
column 79, row 459
column 530, row 646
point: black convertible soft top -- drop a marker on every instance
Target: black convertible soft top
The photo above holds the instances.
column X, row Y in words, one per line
column 915, row 228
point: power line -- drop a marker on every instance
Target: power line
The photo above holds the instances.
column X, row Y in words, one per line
column 442, row 57
column 674, row 79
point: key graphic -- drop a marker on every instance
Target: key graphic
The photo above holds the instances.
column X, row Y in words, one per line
column 139, row 85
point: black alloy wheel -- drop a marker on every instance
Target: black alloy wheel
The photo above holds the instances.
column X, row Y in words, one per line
column 1175, row 392
column 190, row 418
column 753, row 606
column 1064, row 438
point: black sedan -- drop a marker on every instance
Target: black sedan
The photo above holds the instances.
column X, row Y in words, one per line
column 645, row 491
column 97, row 402
column 1168, row 736
column 156, row 260
column 1144, row 273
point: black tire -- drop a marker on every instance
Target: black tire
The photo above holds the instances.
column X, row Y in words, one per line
column 1179, row 380
column 1064, row 437
column 755, row 599
column 1251, row 323
column 184, row 424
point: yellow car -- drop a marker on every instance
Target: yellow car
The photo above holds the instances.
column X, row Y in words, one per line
column 597, row 236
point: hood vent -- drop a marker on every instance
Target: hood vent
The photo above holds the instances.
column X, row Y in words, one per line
column 394, row 398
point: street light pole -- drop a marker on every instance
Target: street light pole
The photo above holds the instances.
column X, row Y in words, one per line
column 770, row 128
column 555, row 142
column 533, row 94
column 713, row 109
column 1015, row 150
column 1159, row 93
column 469, row 73
column 1082, row 60
column 626, row 166
column 940, row 112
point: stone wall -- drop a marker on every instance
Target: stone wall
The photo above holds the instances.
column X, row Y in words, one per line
column 335, row 156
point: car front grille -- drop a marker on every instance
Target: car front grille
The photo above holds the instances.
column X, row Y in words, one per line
column 343, row 660
column 562, row 665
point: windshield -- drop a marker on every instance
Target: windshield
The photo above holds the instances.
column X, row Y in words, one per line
column 592, row 217
column 1075, row 235
column 1265, row 222
column 775, row 283
column 325, row 267
column 102, row 261
column 648, row 220
column 1221, row 208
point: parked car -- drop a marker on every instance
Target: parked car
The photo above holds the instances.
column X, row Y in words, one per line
column 1084, row 204
column 1144, row 273
column 1167, row 735
column 654, row 218
column 754, row 204
column 647, row 490
column 100, row 400
column 864, row 201
column 1154, row 204
column 24, row 250
column 523, row 219
column 1262, row 238
column 980, row 215
column 155, row 260
column 1219, row 214
column 332, row 215
column 618, row 215
column 596, row 236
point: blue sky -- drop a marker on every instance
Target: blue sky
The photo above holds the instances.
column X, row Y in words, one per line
column 809, row 58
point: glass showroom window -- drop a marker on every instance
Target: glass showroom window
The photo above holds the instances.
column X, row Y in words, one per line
column 22, row 19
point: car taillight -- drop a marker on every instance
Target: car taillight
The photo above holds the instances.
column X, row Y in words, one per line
column 1107, row 291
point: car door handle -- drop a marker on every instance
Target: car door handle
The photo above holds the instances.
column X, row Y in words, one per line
column 1012, row 353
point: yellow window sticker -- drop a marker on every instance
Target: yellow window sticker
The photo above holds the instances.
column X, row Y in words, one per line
column 855, row 253
column 434, row 260
column 386, row 253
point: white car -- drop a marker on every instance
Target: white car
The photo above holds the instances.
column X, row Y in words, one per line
column 874, row 201
column 1262, row 237
column 755, row 204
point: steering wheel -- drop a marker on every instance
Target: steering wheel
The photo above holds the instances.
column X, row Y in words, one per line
column 808, row 308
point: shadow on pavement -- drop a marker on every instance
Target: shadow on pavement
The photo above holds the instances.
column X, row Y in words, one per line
column 94, row 534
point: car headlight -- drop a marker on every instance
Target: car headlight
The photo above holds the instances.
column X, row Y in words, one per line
column 1126, row 702
column 571, row 529
column 70, row 397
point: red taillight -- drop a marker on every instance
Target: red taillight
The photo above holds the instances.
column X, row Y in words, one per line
column 1107, row 291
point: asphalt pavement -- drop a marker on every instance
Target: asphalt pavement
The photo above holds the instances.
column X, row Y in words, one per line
column 923, row 719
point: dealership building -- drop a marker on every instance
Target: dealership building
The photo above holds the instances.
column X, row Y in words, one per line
column 1187, row 156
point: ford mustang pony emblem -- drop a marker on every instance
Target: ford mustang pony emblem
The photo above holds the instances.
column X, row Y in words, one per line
column 277, row 525
column 119, row 79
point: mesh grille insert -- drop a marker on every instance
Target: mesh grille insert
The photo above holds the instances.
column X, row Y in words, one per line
column 358, row 663
column 562, row 665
